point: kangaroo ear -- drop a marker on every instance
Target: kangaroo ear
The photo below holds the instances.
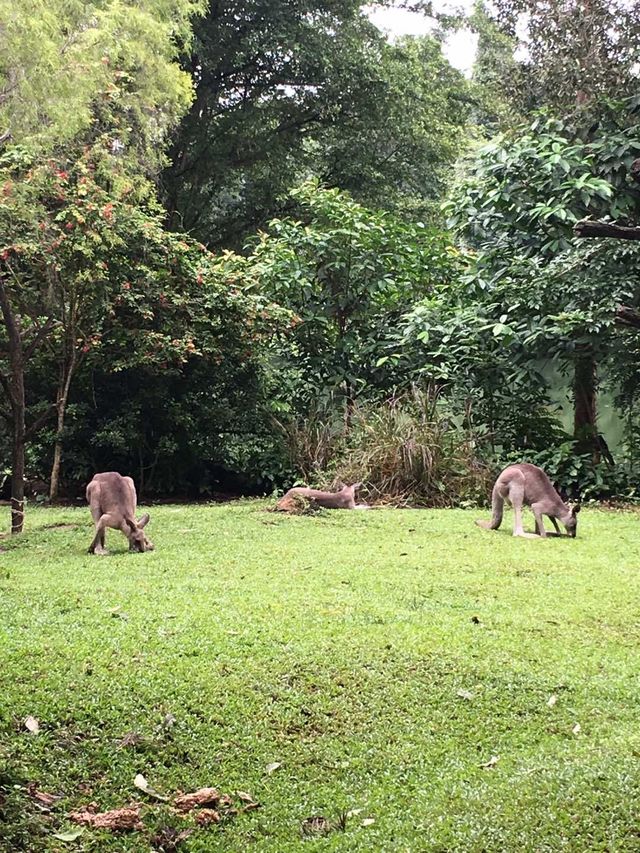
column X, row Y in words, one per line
column 357, row 486
column 132, row 523
column 142, row 522
column 575, row 509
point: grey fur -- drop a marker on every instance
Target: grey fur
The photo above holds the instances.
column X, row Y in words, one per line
column 112, row 499
column 527, row 485
column 344, row 499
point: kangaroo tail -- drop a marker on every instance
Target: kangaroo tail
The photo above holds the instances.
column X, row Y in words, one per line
column 497, row 505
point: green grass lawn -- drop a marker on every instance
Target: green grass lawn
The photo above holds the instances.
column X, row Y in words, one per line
column 380, row 658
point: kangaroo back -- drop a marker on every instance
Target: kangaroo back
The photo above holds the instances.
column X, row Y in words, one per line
column 344, row 499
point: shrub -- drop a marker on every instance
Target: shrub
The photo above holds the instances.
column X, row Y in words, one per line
column 407, row 451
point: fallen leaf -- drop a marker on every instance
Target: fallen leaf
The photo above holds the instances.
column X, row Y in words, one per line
column 116, row 614
column 246, row 798
column 41, row 798
column 368, row 821
column 317, row 825
column 464, row 694
column 552, row 700
column 200, row 798
column 130, row 739
column 70, row 835
column 168, row 722
column 271, row 768
column 491, row 762
column 141, row 782
column 168, row 839
column 576, row 729
column 116, row 820
column 32, row 724
column 206, row 816
column 353, row 812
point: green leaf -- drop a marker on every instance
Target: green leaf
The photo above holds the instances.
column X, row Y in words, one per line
column 69, row 835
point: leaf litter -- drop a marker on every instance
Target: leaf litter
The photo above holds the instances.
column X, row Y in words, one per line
column 32, row 725
column 116, row 820
column 207, row 805
column 42, row 799
column 141, row 782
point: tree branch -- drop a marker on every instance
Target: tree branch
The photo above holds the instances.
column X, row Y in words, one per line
column 627, row 316
column 42, row 332
column 6, row 387
column 39, row 421
column 588, row 228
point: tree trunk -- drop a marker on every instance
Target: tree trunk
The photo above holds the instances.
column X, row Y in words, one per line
column 585, row 386
column 61, row 406
column 15, row 389
column 54, row 482
column 17, row 477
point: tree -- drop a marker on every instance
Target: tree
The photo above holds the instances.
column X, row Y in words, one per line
column 59, row 60
column 495, row 61
column 520, row 201
column 284, row 90
column 572, row 53
column 71, row 75
column 348, row 274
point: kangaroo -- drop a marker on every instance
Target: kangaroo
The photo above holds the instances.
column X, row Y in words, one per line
column 112, row 499
column 344, row 499
column 526, row 484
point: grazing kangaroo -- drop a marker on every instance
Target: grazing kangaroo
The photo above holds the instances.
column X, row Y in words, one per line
column 344, row 499
column 112, row 499
column 526, row 484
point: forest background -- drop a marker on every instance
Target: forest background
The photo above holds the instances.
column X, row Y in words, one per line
column 247, row 244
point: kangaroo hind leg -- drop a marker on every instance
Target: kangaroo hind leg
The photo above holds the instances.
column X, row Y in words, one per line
column 97, row 546
column 516, row 497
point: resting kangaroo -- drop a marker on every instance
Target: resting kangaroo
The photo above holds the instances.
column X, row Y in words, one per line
column 344, row 499
column 526, row 484
column 112, row 499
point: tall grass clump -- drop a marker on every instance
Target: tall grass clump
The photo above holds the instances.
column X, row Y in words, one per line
column 408, row 451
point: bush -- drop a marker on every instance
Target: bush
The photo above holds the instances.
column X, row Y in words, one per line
column 408, row 451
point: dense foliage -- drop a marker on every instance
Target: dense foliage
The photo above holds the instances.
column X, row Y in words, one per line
column 286, row 89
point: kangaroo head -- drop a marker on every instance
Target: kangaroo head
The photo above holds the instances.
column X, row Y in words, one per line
column 349, row 489
column 137, row 540
column 571, row 523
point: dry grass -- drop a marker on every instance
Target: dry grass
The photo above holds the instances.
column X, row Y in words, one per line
column 405, row 451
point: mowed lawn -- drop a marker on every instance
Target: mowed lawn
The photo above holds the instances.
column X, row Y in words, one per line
column 450, row 688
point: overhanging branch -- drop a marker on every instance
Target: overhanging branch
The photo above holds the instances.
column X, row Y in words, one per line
column 588, row 228
column 39, row 422
column 627, row 316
